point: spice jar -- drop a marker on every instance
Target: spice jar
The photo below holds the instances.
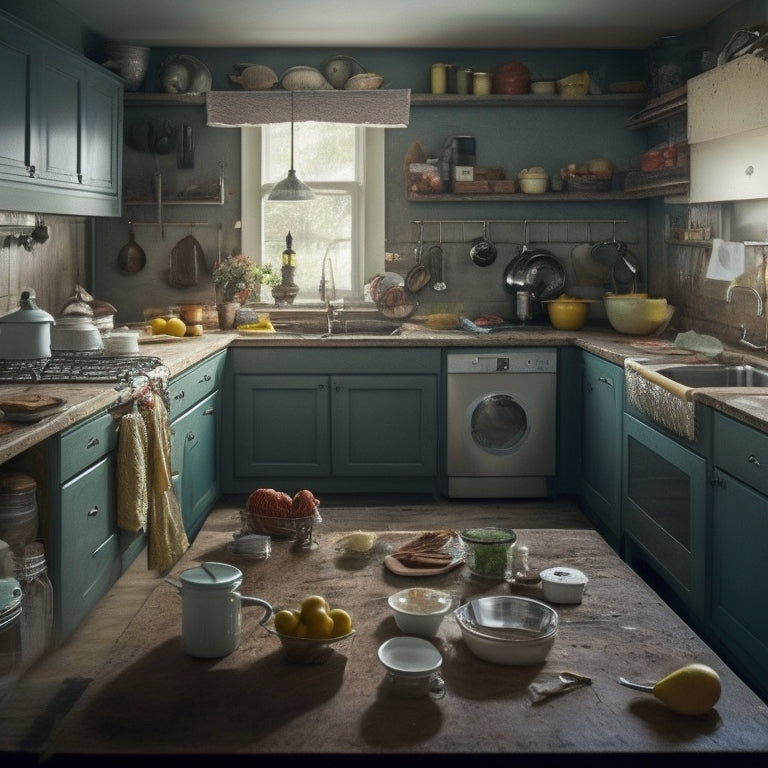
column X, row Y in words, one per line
column 439, row 78
column 481, row 83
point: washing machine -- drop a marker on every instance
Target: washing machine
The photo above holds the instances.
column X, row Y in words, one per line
column 502, row 429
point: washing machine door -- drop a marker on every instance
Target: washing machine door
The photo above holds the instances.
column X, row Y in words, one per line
column 498, row 424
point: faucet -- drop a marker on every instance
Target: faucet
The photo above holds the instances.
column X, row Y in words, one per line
column 729, row 297
column 328, row 296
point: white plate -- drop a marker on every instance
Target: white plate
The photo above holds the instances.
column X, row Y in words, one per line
column 410, row 656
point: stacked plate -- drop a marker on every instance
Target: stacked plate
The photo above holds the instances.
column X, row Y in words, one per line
column 75, row 333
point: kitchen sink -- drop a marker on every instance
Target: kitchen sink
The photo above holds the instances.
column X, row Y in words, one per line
column 716, row 375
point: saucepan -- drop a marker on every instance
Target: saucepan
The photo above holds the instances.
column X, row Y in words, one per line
column 483, row 252
column 210, row 609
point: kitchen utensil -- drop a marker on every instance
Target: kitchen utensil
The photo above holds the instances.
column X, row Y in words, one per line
column 588, row 270
column 483, row 252
column 488, row 551
column 626, row 273
column 537, row 270
column 186, row 148
column 185, row 256
column 608, row 251
column 306, row 650
column 75, row 333
column 568, row 314
column 436, row 257
column 397, row 303
column 131, row 257
column 339, row 68
column 25, row 334
column 420, row 610
column 419, row 275
column 210, row 609
column 180, row 73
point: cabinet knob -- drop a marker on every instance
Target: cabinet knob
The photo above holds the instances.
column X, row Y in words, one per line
column 32, row 170
column 749, row 170
column 204, row 379
column 93, row 511
column 209, row 412
column 752, row 459
column 92, row 442
column 190, row 436
column 604, row 380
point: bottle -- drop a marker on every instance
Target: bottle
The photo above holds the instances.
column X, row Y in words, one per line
column 521, row 568
column 439, row 78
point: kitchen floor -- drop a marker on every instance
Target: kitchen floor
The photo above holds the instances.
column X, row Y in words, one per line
column 53, row 684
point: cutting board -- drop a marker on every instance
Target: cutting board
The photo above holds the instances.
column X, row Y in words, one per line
column 186, row 255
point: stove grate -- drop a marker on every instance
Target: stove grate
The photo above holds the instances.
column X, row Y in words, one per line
column 77, row 367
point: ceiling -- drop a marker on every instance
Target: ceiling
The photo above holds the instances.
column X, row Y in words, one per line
column 612, row 24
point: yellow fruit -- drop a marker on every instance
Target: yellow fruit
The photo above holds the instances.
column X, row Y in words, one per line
column 314, row 600
column 300, row 630
column 690, row 690
column 175, row 327
column 318, row 621
column 286, row 621
column 195, row 329
column 158, row 325
column 342, row 622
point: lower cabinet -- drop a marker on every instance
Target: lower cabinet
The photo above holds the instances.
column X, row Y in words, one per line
column 333, row 420
column 602, row 406
column 739, row 533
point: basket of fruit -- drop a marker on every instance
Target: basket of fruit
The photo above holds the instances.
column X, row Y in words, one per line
column 275, row 513
column 309, row 633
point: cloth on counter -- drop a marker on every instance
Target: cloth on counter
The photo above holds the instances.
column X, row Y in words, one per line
column 699, row 342
column 167, row 539
column 726, row 260
column 132, row 473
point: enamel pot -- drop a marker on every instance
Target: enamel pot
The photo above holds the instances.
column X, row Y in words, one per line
column 25, row 334
column 211, row 609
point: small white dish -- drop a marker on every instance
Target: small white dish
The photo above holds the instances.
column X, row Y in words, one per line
column 420, row 610
column 410, row 657
column 563, row 585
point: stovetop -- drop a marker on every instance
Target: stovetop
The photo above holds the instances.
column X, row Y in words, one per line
column 77, row 367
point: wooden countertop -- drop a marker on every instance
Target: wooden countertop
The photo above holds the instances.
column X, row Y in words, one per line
column 151, row 698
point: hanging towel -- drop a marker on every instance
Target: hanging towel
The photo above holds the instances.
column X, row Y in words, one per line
column 132, row 473
column 726, row 260
column 167, row 538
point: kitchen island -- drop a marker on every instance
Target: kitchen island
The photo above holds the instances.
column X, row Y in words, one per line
column 150, row 698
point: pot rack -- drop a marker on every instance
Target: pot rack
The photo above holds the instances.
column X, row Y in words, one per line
column 548, row 224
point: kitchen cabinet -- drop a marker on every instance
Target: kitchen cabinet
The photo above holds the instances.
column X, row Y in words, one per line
column 664, row 507
column 195, row 400
column 739, row 601
column 601, row 445
column 63, row 124
column 727, row 128
column 332, row 420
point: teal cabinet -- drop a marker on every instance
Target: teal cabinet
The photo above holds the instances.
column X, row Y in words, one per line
column 738, row 536
column 63, row 123
column 601, row 446
column 354, row 420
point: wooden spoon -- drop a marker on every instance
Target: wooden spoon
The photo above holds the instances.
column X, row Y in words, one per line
column 131, row 257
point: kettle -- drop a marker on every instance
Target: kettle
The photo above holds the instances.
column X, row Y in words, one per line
column 25, row 334
column 211, row 609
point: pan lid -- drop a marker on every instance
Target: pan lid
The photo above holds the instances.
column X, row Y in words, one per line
column 28, row 311
column 212, row 576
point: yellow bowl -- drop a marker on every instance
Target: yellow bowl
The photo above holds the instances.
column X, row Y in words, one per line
column 635, row 314
column 568, row 314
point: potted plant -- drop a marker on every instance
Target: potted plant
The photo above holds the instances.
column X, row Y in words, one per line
column 235, row 277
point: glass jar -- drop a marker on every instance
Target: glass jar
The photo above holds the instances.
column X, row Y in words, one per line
column 481, row 83
column 10, row 636
column 37, row 602
column 439, row 78
column 18, row 510
column 488, row 551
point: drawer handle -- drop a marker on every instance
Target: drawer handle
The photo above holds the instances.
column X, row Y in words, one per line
column 604, row 380
column 753, row 460
column 180, row 396
column 93, row 511
column 209, row 412
column 101, row 546
column 92, row 442
column 205, row 379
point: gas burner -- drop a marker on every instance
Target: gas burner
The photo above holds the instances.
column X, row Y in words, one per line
column 77, row 367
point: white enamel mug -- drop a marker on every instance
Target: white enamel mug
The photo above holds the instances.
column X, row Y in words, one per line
column 211, row 609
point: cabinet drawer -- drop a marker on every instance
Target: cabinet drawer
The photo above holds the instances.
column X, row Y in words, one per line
column 742, row 451
column 191, row 387
column 86, row 443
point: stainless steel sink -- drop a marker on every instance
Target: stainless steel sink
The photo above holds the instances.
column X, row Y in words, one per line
column 716, row 375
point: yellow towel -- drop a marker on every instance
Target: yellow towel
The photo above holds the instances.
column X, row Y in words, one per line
column 167, row 538
column 132, row 471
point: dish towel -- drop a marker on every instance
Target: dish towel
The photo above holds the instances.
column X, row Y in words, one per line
column 726, row 261
column 132, row 472
column 167, row 539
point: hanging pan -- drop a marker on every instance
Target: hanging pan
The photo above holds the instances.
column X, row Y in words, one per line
column 483, row 252
column 609, row 250
column 131, row 257
column 419, row 275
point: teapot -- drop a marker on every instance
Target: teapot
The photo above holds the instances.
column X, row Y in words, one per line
column 211, row 609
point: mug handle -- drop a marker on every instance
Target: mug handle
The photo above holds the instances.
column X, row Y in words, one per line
column 258, row 601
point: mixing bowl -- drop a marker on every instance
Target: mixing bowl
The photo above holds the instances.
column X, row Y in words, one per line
column 567, row 314
column 420, row 610
column 634, row 314
column 506, row 629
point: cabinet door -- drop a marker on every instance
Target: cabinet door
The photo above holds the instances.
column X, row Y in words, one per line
column 603, row 387
column 282, row 426
column 102, row 133
column 739, row 599
column 384, row 425
column 194, row 462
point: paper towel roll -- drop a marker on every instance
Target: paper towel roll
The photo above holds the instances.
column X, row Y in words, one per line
column 726, row 260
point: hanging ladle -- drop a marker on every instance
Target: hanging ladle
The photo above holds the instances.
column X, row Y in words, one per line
column 483, row 252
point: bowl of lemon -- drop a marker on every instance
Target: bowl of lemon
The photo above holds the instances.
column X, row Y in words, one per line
column 309, row 632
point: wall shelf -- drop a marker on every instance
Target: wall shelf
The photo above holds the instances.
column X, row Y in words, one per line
column 526, row 100
column 655, row 190
column 137, row 99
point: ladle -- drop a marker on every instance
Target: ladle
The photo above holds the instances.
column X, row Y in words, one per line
column 436, row 253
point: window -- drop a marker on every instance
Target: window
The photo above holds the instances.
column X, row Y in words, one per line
column 343, row 225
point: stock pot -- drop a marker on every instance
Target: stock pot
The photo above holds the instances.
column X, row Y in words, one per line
column 25, row 334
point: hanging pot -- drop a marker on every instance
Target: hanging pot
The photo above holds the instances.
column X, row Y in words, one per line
column 131, row 257
column 483, row 252
column 210, row 609
column 25, row 334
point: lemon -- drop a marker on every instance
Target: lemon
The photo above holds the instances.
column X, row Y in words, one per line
column 300, row 630
column 358, row 542
column 690, row 690
column 342, row 622
column 195, row 329
column 318, row 620
column 286, row 621
column 158, row 325
column 313, row 601
column 175, row 327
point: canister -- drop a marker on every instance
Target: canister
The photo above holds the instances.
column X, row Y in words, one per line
column 481, row 83
column 439, row 78
column 464, row 80
column 18, row 511
column 10, row 636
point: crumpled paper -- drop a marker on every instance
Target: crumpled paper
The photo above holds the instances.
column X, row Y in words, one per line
column 699, row 342
column 550, row 684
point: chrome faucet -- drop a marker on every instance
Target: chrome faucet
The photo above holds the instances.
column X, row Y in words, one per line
column 732, row 288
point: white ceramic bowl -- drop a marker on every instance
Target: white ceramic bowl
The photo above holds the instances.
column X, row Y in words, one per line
column 563, row 585
column 410, row 657
column 420, row 610
column 635, row 314
column 513, row 630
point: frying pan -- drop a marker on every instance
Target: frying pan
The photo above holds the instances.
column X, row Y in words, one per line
column 131, row 257
column 609, row 250
column 483, row 252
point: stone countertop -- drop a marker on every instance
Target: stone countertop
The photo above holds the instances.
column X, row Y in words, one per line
column 84, row 400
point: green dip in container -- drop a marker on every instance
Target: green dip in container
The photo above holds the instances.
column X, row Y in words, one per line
column 488, row 551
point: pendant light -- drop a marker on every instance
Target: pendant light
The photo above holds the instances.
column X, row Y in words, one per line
column 290, row 189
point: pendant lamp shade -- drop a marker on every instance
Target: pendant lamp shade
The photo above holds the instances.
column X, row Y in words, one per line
column 291, row 189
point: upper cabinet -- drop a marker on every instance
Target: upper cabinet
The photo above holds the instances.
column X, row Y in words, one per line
column 727, row 128
column 62, row 128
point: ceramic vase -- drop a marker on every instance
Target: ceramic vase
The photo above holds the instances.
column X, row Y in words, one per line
column 227, row 312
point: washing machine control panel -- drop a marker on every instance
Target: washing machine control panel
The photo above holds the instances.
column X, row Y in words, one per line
column 513, row 362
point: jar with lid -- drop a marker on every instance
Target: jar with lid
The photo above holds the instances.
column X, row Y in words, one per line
column 481, row 83
column 10, row 636
column 36, row 627
column 439, row 78
column 18, row 510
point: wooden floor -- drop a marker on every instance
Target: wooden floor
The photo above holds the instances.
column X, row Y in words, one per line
column 38, row 698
